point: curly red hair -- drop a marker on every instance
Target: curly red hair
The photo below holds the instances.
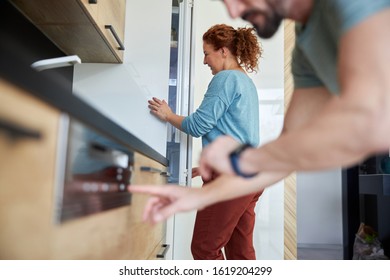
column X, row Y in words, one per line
column 242, row 43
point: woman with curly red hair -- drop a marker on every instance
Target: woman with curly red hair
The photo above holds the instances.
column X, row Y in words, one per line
column 230, row 107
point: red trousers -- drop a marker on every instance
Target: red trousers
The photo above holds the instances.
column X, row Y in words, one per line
column 228, row 225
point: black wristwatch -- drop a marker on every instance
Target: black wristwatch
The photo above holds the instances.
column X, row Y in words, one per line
column 234, row 157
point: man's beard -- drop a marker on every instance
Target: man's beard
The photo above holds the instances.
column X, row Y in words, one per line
column 270, row 26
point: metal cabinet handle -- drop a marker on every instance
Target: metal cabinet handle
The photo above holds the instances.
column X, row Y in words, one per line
column 121, row 46
column 92, row 1
column 164, row 252
column 150, row 169
column 16, row 132
column 155, row 170
column 165, row 174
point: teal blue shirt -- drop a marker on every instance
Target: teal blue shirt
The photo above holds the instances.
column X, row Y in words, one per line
column 316, row 50
column 229, row 107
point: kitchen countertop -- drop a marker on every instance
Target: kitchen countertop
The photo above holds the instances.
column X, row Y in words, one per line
column 52, row 89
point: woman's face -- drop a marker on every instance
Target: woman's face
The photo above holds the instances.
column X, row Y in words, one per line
column 213, row 58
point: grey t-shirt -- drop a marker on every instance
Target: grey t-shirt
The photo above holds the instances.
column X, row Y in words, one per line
column 315, row 55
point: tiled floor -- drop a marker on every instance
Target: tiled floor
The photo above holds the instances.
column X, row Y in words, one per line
column 332, row 253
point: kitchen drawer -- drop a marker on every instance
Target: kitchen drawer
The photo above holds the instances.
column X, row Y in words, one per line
column 146, row 171
column 27, row 168
column 80, row 27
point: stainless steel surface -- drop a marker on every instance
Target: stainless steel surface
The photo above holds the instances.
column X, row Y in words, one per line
column 181, row 91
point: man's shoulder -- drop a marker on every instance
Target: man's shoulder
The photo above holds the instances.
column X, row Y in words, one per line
column 348, row 14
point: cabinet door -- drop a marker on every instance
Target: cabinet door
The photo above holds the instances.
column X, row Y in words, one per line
column 77, row 27
column 106, row 13
column 27, row 170
column 91, row 6
column 112, row 13
column 145, row 239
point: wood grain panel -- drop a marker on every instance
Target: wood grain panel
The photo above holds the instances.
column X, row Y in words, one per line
column 77, row 27
column 27, row 188
column 147, row 238
column 290, row 219
column 26, row 176
column 112, row 12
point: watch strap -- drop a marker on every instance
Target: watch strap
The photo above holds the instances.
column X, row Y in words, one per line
column 234, row 160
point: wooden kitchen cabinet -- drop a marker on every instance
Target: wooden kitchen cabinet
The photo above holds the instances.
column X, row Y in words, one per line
column 80, row 27
column 150, row 238
column 27, row 171
column 28, row 187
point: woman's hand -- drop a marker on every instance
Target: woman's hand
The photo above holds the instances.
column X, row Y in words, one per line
column 160, row 109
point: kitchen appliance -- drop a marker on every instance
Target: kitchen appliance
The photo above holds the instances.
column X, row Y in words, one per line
column 93, row 172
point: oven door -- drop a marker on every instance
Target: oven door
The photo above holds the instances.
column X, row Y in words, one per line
column 94, row 173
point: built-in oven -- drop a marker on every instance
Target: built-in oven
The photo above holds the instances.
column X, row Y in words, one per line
column 93, row 172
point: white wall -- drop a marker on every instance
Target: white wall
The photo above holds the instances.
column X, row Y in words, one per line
column 269, row 223
column 319, row 208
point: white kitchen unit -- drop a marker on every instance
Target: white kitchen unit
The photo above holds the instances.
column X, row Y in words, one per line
column 157, row 63
column 121, row 91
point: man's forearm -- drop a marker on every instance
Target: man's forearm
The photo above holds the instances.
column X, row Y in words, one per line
column 337, row 136
column 227, row 187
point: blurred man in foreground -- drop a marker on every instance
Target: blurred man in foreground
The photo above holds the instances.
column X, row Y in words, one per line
column 339, row 113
